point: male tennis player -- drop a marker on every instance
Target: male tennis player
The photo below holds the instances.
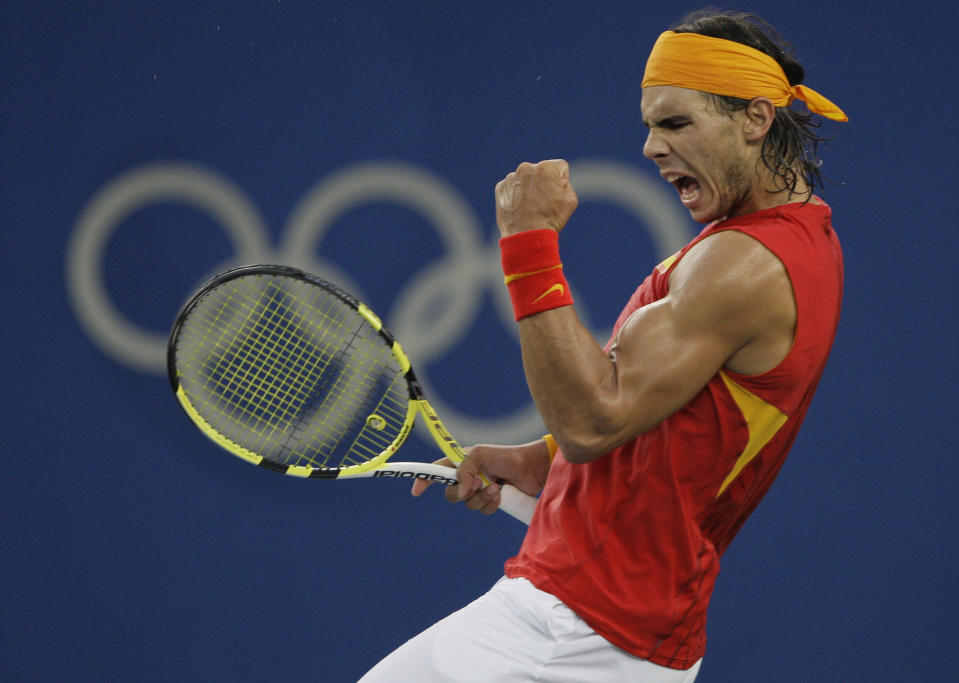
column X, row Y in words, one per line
column 663, row 442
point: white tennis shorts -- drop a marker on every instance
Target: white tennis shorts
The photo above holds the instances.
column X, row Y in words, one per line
column 517, row 633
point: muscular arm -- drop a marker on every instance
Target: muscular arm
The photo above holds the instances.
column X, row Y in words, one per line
column 730, row 303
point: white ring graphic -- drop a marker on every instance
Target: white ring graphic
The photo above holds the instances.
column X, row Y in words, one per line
column 450, row 282
column 119, row 338
column 430, row 314
column 652, row 204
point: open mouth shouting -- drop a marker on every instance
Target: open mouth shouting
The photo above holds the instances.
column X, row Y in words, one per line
column 687, row 186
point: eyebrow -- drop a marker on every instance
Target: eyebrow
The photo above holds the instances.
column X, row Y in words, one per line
column 668, row 121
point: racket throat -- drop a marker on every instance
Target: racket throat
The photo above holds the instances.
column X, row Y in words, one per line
column 443, row 439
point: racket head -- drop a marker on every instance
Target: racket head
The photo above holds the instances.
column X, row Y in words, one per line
column 289, row 372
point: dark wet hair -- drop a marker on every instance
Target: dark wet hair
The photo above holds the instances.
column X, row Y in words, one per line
column 790, row 147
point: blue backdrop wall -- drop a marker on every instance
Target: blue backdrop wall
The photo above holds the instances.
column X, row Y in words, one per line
column 147, row 145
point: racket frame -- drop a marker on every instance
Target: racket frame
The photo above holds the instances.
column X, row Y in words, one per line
column 376, row 466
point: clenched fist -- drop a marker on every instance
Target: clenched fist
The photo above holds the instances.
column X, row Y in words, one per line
column 535, row 196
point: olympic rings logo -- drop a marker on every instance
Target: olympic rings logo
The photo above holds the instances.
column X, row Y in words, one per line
column 469, row 270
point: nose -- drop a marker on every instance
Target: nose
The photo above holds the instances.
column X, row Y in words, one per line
column 655, row 146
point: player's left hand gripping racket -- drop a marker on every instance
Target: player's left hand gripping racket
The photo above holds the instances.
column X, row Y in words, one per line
column 289, row 372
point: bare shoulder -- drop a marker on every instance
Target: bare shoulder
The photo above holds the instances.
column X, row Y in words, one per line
column 742, row 288
column 728, row 257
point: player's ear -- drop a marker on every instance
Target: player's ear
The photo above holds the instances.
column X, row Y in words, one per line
column 759, row 116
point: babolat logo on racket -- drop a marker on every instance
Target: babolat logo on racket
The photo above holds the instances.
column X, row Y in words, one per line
column 415, row 475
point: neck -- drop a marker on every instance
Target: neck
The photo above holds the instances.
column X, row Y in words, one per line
column 768, row 193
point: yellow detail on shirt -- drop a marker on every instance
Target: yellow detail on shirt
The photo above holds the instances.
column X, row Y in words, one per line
column 763, row 420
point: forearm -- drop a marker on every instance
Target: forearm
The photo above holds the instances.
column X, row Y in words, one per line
column 572, row 380
column 573, row 383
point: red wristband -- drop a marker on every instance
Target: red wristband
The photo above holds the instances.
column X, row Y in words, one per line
column 534, row 273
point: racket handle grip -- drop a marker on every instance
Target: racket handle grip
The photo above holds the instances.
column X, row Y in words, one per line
column 516, row 503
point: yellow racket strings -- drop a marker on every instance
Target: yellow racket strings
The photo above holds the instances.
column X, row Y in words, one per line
column 292, row 373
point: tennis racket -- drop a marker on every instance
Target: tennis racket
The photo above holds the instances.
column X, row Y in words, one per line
column 291, row 373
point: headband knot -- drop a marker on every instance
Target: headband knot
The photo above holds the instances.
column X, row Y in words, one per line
column 725, row 67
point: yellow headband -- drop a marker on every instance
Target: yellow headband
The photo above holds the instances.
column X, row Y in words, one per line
column 725, row 67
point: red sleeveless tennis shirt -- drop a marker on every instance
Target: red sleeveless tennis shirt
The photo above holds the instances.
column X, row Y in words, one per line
column 631, row 542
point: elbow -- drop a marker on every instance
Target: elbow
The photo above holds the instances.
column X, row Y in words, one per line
column 580, row 456
column 594, row 440
column 588, row 430
column 580, row 452
column 583, row 446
